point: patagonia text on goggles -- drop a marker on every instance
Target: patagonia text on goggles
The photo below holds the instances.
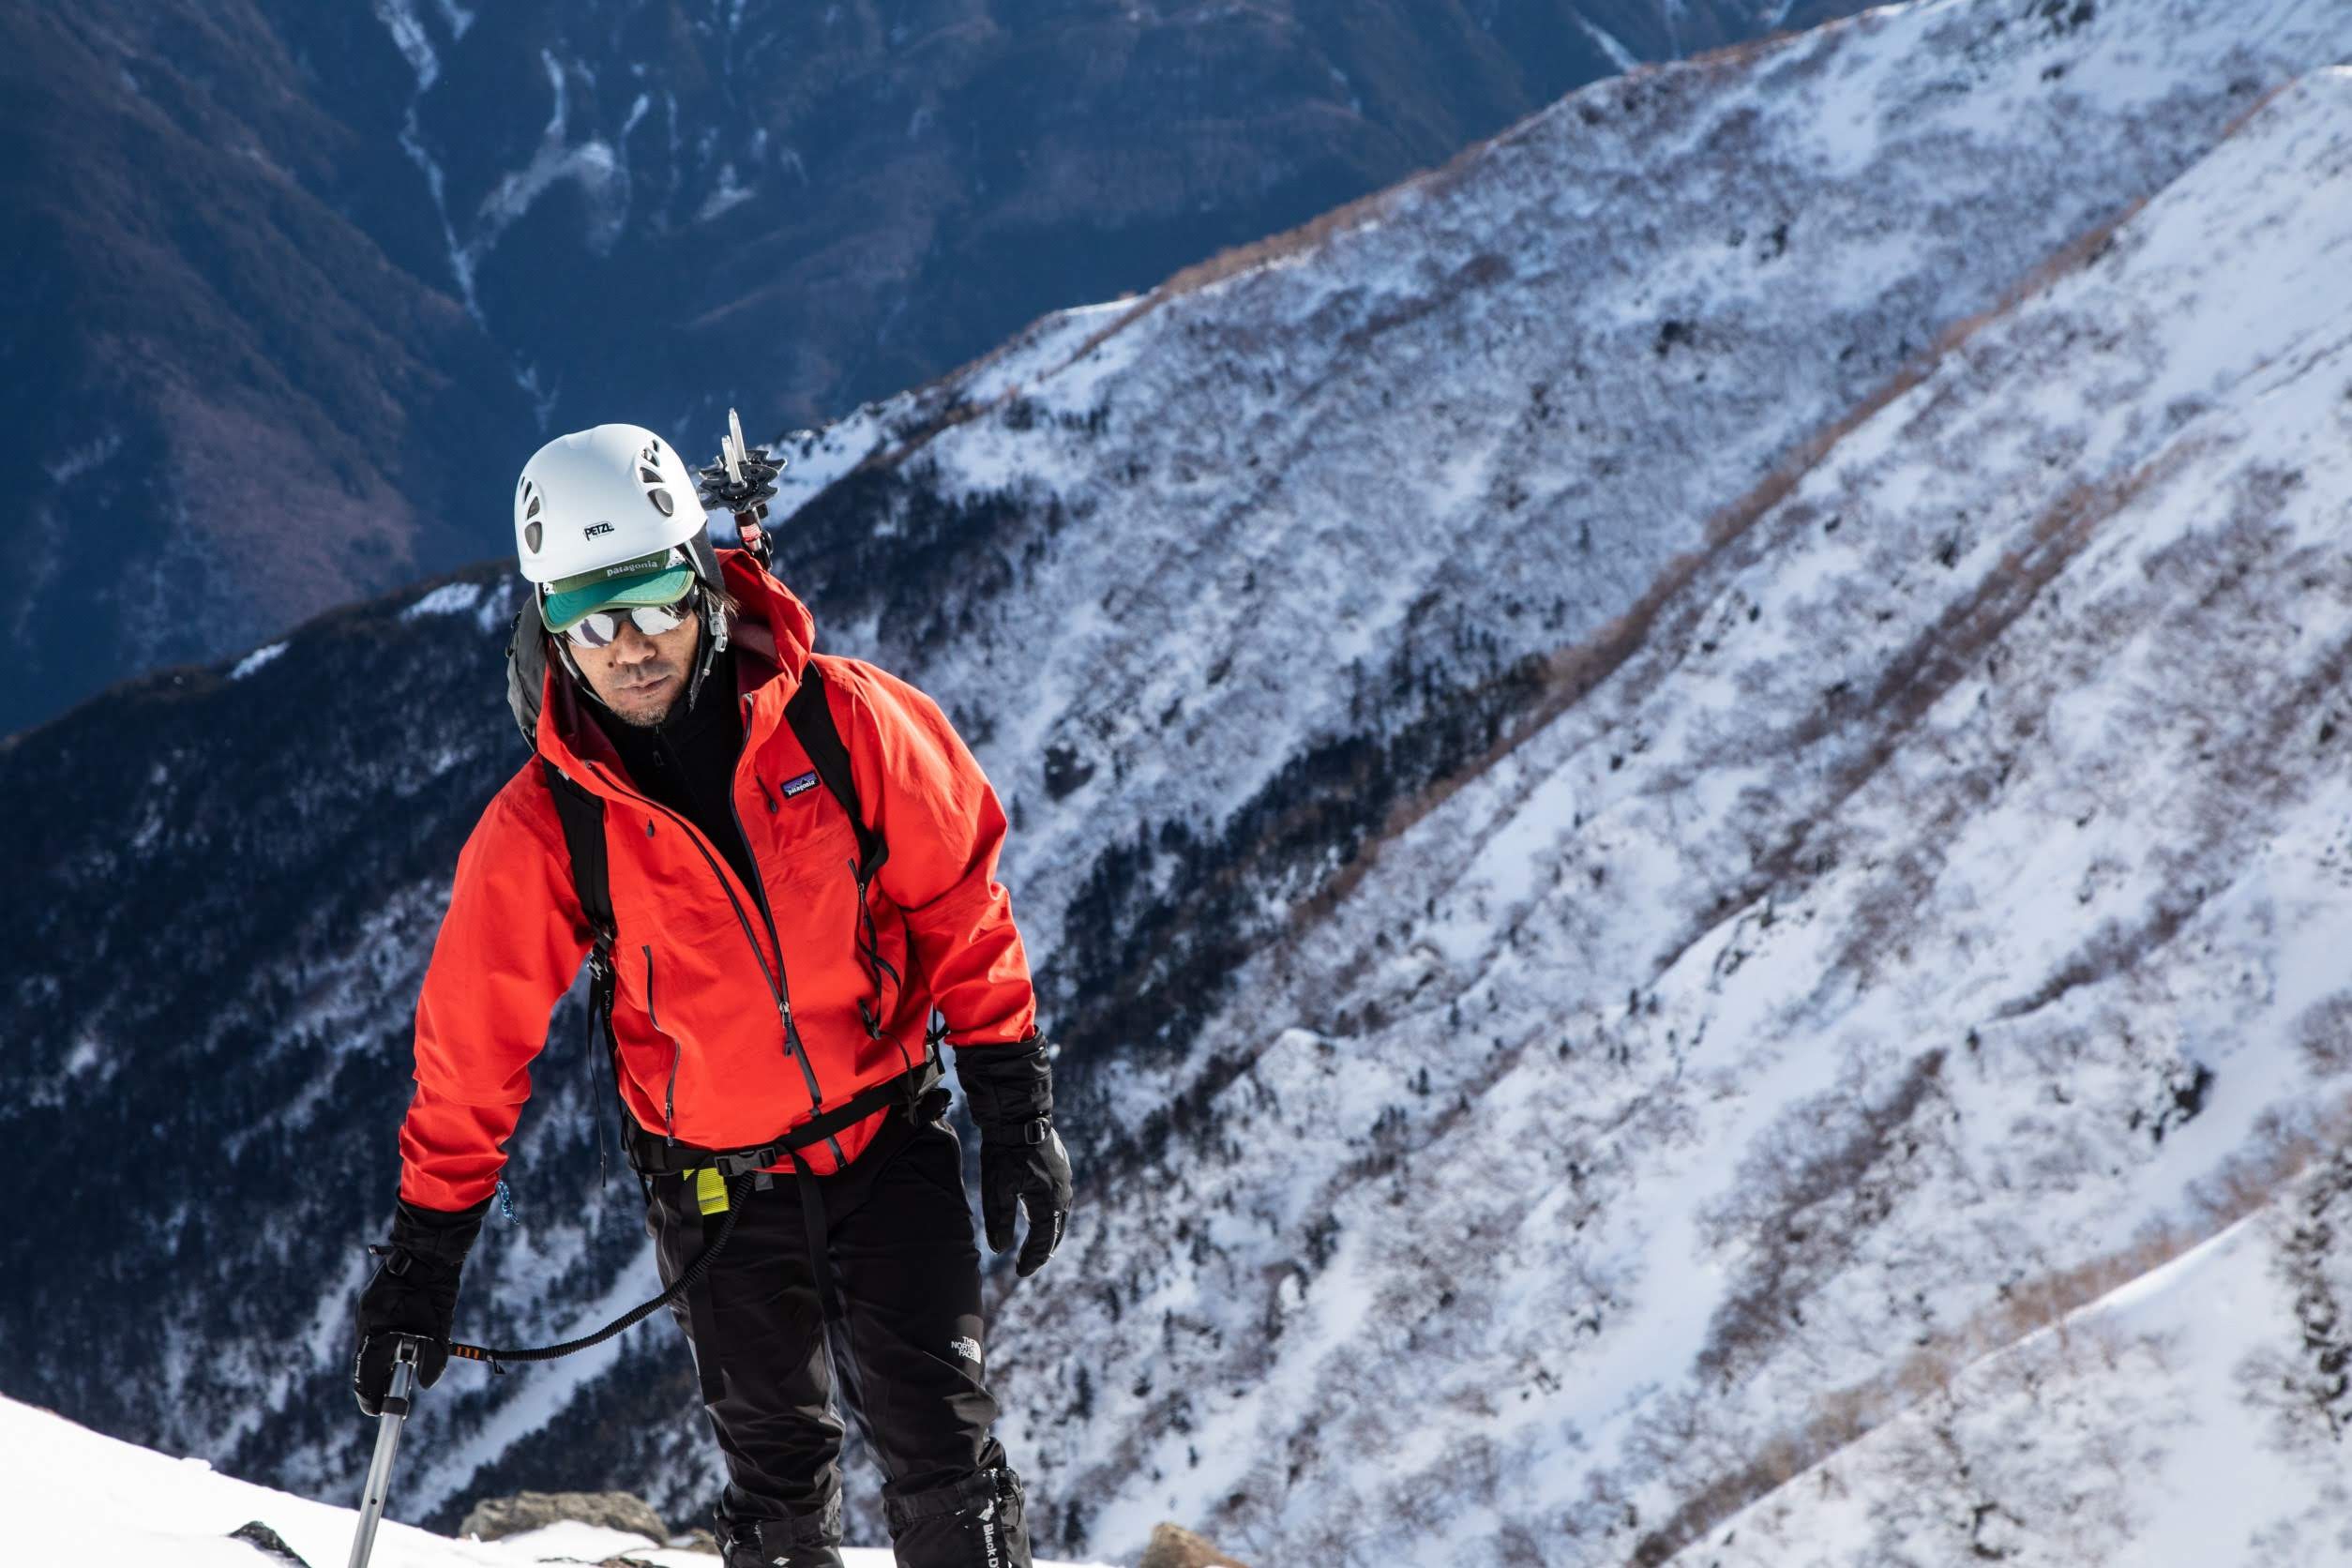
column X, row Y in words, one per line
column 600, row 626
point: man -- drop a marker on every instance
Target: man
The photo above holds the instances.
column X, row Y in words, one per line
column 799, row 856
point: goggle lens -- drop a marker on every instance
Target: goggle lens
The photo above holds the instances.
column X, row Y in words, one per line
column 600, row 626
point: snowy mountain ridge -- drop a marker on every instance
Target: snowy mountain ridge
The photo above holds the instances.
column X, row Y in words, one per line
column 1647, row 774
column 1541, row 371
column 295, row 276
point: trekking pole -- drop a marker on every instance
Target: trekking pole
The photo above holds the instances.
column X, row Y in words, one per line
column 387, row 1444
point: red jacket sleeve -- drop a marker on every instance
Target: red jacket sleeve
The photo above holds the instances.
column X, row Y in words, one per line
column 509, row 945
column 933, row 806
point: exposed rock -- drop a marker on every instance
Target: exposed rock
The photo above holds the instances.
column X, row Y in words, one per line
column 493, row 1518
column 268, row 1542
column 1174, row 1546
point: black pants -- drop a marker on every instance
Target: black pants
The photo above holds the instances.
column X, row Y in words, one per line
column 898, row 1237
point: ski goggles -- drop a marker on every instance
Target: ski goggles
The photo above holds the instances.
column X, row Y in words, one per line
column 598, row 628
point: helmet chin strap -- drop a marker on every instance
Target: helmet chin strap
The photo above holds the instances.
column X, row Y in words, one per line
column 713, row 644
column 707, row 572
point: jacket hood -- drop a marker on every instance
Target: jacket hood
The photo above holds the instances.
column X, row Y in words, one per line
column 772, row 632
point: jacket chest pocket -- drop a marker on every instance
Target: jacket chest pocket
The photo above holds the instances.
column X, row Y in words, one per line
column 804, row 838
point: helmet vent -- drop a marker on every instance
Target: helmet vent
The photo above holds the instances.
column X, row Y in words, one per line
column 531, row 536
column 531, row 510
column 662, row 503
column 649, row 475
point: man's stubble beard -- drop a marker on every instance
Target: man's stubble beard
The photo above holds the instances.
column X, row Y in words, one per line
column 640, row 720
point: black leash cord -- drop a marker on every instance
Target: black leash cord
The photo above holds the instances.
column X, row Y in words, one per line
column 634, row 1316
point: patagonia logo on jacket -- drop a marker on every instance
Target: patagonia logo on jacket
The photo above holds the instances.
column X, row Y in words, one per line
column 794, row 786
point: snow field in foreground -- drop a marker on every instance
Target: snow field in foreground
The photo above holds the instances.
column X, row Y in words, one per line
column 74, row 1498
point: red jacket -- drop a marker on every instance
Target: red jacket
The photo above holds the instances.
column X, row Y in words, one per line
column 702, row 1037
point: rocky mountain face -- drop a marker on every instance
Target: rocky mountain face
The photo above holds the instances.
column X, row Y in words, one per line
column 226, row 408
column 1672, row 785
column 299, row 287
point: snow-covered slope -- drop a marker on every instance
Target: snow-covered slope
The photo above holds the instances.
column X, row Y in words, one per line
column 1945, row 891
column 77, row 1500
column 2194, row 1415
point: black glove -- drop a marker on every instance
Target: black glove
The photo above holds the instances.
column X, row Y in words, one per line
column 1009, row 1090
column 414, row 1291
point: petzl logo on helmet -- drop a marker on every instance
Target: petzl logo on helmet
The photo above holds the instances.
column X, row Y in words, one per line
column 596, row 528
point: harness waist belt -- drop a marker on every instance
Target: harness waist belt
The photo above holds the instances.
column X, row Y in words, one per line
column 652, row 1155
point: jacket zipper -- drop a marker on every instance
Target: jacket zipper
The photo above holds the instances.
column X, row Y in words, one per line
column 774, row 979
column 793, row 1047
column 669, row 1094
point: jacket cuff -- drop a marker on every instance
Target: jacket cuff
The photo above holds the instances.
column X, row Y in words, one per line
column 442, row 1235
column 1007, row 1086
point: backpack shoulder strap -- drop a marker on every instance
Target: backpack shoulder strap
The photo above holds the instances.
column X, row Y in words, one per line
column 581, row 812
column 811, row 718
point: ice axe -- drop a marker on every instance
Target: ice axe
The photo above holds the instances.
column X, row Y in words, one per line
column 405, row 1350
column 743, row 482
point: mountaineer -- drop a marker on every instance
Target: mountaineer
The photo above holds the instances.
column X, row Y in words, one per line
column 779, row 864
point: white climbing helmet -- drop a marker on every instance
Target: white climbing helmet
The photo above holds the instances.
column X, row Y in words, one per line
column 597, row 497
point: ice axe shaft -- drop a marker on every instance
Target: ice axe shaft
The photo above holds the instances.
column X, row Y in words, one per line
column 387, row 1444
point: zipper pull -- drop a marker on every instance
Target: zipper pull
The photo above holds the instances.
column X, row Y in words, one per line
column 763, row 794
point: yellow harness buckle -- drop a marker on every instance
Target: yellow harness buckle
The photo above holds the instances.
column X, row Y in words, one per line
column 710, row 1191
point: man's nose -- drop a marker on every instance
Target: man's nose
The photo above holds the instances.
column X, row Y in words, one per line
column 631, row 646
